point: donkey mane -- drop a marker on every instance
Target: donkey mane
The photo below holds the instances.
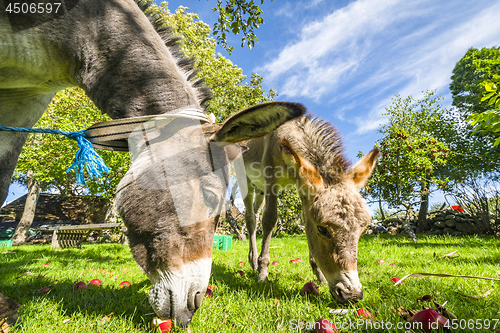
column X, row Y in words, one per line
column 173, row 43
column 322, row 146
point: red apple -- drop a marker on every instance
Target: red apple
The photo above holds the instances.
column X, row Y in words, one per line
column 43, row 290
column 162, row 326
column 396, row 279
column 381, row 261
column 431, row 320
column 125, row 284
column 310, row 288
column 393, row 265
column 275, row 262
column 95, row 282
column 364, row 314
column 80, row 285
column 209, row 293
column 324, row 326
column 293, row 261
column 241, row 263
column 298, row 260
column 46, row 264
column 240, row 273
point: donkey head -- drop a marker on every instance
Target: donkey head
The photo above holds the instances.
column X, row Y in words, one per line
column 335, row 216
column 172, row 194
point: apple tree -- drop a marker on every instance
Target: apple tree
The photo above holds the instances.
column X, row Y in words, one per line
column 411, row 154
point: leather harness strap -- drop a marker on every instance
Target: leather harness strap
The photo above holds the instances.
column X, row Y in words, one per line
column 114, row 134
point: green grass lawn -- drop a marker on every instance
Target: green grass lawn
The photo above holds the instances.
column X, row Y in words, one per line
column 240, row 303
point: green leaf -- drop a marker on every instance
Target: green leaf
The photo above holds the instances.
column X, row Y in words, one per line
column 487, row 96
column 493, row 100
column 489, row 86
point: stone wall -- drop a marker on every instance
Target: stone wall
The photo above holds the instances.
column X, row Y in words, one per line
column 443, row 222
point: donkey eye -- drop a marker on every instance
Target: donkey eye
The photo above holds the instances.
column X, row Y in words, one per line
column 323, row 231
column 210, row 198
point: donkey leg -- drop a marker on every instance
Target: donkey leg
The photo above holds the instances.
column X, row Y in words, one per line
column 319, row 274
column 257, row 203
column 19, row 109
column 269, row 219
column 251, row 227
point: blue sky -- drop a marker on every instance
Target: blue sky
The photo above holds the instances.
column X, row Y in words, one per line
column 345, row 60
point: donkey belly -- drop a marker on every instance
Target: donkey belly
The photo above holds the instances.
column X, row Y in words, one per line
column 28, row 60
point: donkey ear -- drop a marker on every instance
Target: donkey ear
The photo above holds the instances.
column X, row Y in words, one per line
column 364, row 168
column 257, row 121
column 307, row 171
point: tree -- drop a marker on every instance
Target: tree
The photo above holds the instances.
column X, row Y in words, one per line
column 22, row 230
column 488, row 121
column 237, row 16
column 470, row 75
column 411, row 153
column 477, row 71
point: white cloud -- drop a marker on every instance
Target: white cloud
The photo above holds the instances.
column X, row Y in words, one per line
column 339, row 37
column 432, row 62
column 358, row 56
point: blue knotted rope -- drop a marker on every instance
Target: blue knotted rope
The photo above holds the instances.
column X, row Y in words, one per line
column 86, row 157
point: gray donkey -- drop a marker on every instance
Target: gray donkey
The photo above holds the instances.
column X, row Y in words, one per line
column 307, row 153
column 130, row 66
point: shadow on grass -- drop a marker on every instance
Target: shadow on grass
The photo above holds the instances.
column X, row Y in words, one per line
column 131, row 302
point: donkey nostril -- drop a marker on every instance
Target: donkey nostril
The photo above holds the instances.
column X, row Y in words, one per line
column 191, row 302
column 338, row 291
column 198, row 298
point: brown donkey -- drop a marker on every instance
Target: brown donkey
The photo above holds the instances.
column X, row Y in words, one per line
column 307, row 153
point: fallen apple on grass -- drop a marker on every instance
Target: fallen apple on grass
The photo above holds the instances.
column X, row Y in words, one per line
column 324, row 326
column 43, row 290
column 125, row 284
column 310, row 288
column 95, row 282
column 162, row 326
column 298, row 260
column 381, row 261
column 241, row 263
column 396, row 279
column 275, row 262
column 364, row 314
column 80, row 286
column 431, row 320
column 209, row 293
column 240, row 273
column 293, row 261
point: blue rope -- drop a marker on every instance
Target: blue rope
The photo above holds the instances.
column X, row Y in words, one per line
column 85, row 158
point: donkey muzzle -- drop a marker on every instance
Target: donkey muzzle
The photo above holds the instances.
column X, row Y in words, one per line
column 177, row 294
column 346, row 287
